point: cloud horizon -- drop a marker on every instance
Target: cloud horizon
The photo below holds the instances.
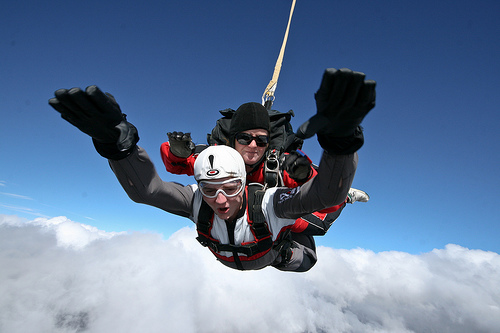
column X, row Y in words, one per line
column 63, row 276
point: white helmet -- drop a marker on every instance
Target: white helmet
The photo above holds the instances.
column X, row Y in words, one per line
column 216, row 162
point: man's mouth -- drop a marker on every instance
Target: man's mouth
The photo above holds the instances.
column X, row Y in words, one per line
column 223, row 210
column 252, row 154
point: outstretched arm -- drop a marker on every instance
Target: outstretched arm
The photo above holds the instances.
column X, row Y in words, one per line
column 327, row 189
column 138, row 177
column 99, row 115
column 343, row 100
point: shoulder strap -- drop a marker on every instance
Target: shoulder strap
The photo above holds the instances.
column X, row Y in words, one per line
column 204, row 223
column 256, row 216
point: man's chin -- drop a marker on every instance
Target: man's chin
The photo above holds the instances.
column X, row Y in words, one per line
column 251, row 160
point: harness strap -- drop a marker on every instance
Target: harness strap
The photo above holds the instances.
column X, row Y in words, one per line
column 268, row 96
column 259, row 224
column 205, row 216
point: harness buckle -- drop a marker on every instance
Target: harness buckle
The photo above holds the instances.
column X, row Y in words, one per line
column 272, row 169
column 208, row 243
column 213, row 246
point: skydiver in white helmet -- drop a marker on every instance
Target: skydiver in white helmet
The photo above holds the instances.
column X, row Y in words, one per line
column 244, row 226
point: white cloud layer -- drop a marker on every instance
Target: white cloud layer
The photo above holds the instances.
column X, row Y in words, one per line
column 57, row 275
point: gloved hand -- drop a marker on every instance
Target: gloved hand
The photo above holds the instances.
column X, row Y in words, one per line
column 297, row 166
column 343, row 100
column 181, row 144
column 98, row 115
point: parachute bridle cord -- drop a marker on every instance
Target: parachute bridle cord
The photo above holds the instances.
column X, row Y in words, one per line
column 268, row 96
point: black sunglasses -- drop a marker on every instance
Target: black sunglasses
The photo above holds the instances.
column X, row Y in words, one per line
column 246, row 139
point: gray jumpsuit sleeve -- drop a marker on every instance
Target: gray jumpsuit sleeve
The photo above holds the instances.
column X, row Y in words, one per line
column 138, row 177
column 327, row 189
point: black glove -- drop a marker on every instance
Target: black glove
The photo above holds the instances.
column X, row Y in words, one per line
column 343, row 100
column 181, row 144
column 98, row 115
column 297, row 166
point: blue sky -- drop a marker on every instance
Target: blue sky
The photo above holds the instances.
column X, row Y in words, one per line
column 430, row 162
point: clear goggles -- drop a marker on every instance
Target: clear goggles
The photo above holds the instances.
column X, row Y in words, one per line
column 230, row 187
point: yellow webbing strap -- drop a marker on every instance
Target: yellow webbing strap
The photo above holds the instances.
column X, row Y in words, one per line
column 271, row 87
